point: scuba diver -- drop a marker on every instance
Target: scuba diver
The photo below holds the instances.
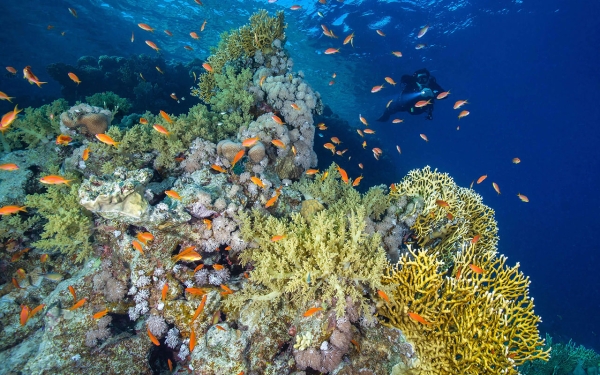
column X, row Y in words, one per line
column 420, row 86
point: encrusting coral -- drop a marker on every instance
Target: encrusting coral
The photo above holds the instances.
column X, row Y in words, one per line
column 87, row 119
column 480, row 321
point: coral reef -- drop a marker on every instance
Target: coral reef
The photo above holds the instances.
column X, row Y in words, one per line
column 88, row 120
column 481, row 321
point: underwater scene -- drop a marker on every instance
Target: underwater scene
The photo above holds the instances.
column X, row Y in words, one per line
column 286, row 187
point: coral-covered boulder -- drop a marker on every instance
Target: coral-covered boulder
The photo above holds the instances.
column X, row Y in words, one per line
column 86, row 119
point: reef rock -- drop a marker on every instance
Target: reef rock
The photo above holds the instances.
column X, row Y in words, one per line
column 88, row 120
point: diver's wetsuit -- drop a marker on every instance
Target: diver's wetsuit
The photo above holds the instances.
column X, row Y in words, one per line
column 419, row 86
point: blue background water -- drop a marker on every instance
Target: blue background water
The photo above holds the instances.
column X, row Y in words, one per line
column 529, row 71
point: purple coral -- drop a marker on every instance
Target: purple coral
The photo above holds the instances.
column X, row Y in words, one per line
column 157, row 325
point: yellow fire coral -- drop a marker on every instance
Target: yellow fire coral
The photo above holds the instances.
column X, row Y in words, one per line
column 473, row 323
column 442, row 229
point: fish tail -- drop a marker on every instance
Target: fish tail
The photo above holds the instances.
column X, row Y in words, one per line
column 22, row 209
column 39, row 84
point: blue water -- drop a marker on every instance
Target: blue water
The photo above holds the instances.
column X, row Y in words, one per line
column 528, row 70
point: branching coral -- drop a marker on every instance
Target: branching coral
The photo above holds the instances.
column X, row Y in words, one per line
column 328, row 260
column 475, row 323
column 111, row 101
column 442, row 229
column 36, row 126
column 232, row 97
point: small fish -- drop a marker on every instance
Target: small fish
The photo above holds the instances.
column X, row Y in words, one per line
column 238, row 157
column 376, row 88
column 146, row 27
column 159, row 70
column 277, row 238
column 86, row 154
column 208, row 223
column 194, row 35
column 460, row 103
column 262, row 80
column 74, row 78
column 164, row 115
column 152, row 337
column 78, row 304
column 397, row 53
column 188, row 48
column 364, row 144
column 203, row 26
column 399, row 150
column 170, row 364
column 443, row 95
column 218, row 267
column 422, row 31
column 343, row 174
column 496, row 187
column 174, row 97
column 272, row 201
column 331, row 51
column 388, row 103
column 9, row 210
column 357, row 180
column 420, row 46
column 390, row 80
column 188, row 254
column 360, row 165
column 192, row 339
column 16, row 283
column 258, row 182
column 523, row 198
column 475, row 269
column 330, row 147
column 8, row 118
column 324, row 176
column 335, row 140
column 100, row 314
column 348, row 39
column 449, row 216
column 30, row 77
column 363, row 120
column 152, row 45
column 3, row 96
column 207, row 67
column 463, row 114
column 105, row 138
column 173, row 194
column 355, row 343
column 54, row 180
column 311, row 172
column 480, row 179
column 24, row 315
column 145, row 237
column 418, row 318
column 200, row 307
column 44, row 258
column 516, row 160
column 11, row 70
column 168, row 33
column 380, row 32
column 196, row 291
column 383, row 295
column 9, row 167
column 249, row 142
column 198, row 267
column 295, row 7
column 442, row 203
column 132, row 37
column 295, row 106
column 369, row 131
column 63, row 140
column 422, row 103
column 138, row 246
column 161, row 129
column 277, row 120
column 311, row 311
column 73, row 12
column 72, row 291
column 278, row 143
column 163, row 293
column 472, row 182
column 226, row 290
column 36, row 310
column 360, row 132
column 142, row 77
column 475, row 238
column 19, row 254
column 424, row 137
column 218, row 168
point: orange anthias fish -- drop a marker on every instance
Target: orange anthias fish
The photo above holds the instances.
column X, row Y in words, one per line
column 36, row 310
column 442, row 203
column 249, row 142
column 496, row 187
column 516, row 160
column 356, row 181
column 24, row 315
column 443, row 95
column 343, row 174
column 146, row 27
column 152, row 45
column 72, row 291
column 9, row 118
column 11, row 70
column 137, row 246
column 422, row 31
column 73, row 12
column 310, row 172
column 188, row 254
column 208, row 223
column 336, row 140
column 277, row 120
column 363, row 120
column 295, row 106
column 424, row 137
column 203, row 26
column 145, row 237
column 331, row 51
column 86, row 154
column 54, row 180
column 78, row 304
column 166, row 116
column 218, row 267
column 105, row 138
column 397, row 121
column 168, row 33
column 161, row 129
column 376, row 88
column 349, row 39
column 278, row 143
column 397, row 53
column 272, row 201
column 74, row 78
column 295, row 7
column 523, row 198
column 196, row 291
column 163, row 293
column 226, row 290
column 422, row 103
column 63, row 140
column 480, row 179
column 311, row 311
column 463, row 114
column 238, row 157
column 476, row 238
column 460, row 103
column 143, row 121
column 194, row 35
column 3, row 96
column 132, row 37
column 330, row 147
column 218, row 168
column 383, row 295
column 369, row 131
column 277, row 238
column 381, row 33
column 322, row 126
column 152, row 337
column 173, row 194
column 9, row 210
column 200, row 307
column 100, row 314
column 476, row 269
column 390, row 80
column 207, row 67
column 420, row 46
column 418, row 318
column 192, row 339
column 257, row 181
column 9, row 167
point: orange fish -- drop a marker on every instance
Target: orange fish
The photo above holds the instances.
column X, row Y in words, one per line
column 420, row 46
column 310, row 172
column 74, row 78
column 443, row 95
column 460, row 103
column 463, row 114
column 377, row 150
column 249, row 142
column 16, row 283
column 100, row 314
column 360, row 165
column 72, row 291
column 143, row 121
column 63, row 140
column 203, row 26
column 86, row 154
column 369, row 131
column 218, row 168
column 380, row 32
column 331, row 51
column 295, row 106
column 278, row 143
column 237, row 157
column 343, row 174
column 29, row 76
column 11, row 70
column 166, row 116
column 207, row 67
column 397, row 53
column 348, row 39
column 163, row 294
column 173, row 194
column 192, row 339
column 145, row 237
column 332, row 82
column 390, row 80
column 356, row 181
column 376, row 88
column 360, row 132
column 218, row 267
column 3, row 96
column 105, row 138
column 187, row 254
column 262, row 80
column 73, row 12
column 516, row 160
column 277, row 238
column 168, row 33
column 152, row 45
column 475, row 238
column 137, row 246
column 311, row 311
column 226, row 289
column 523, row 198
column 78, row 304
column 258, row 182
column 480, row 179
column 449, row 216
column 170, row 364
column 54, row 180
column 160, row 129
column 9, row 167
column 24, row 315
column 475, row 269
column 194, row 35
column 330, row 147
column 188, row 48
column 496, row 187
column 322, row 126
column 422, row 103
column 9, row 210
column 418, row 318
column 422, row 31
column 200, row 307
column 272, row 201
column 364, row 144
column 398, row 148
column 146, row 27
column 208, row 223
column 383, row 295
column 363, row 120
column 336, row 140
column 424, row 137
column 196, row 291
column 8, row 118
column 442, row 203
column 152, row 337
column 18, row 254
column 36, row 310
column 44, row 258
column 277, row 120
